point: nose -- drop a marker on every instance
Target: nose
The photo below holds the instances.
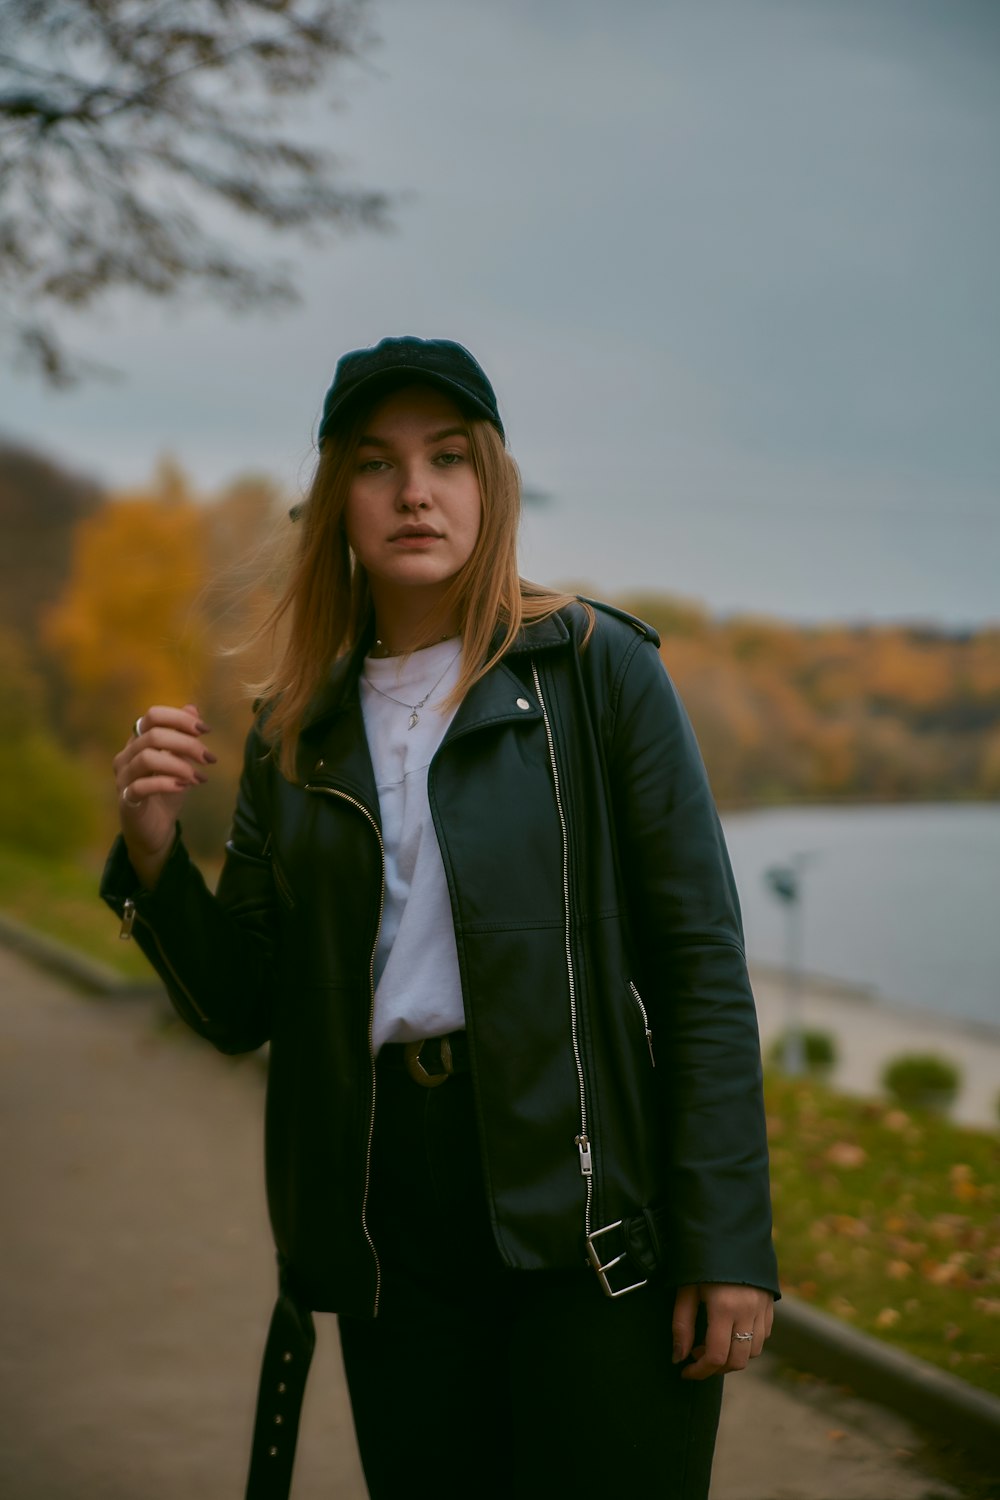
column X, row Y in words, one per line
column 414, row 491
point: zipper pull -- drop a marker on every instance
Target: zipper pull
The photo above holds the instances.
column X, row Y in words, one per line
column 649, row 1044
column 128, row 921
column 586, row 1159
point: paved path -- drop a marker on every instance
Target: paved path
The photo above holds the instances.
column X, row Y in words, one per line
column 869, row 1031
column 136, row 1283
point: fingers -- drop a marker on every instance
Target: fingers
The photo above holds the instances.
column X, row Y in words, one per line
column 685, row 1313
column 731, row 1310
column 176, row 729
column 160, row 750
column 164, row 755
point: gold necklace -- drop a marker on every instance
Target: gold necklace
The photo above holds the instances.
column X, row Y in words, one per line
column 380, row 650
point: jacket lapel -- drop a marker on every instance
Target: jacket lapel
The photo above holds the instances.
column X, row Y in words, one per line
column 333, row 748
column 502, row 696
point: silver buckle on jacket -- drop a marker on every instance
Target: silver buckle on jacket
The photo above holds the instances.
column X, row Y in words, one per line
column 602, row 1269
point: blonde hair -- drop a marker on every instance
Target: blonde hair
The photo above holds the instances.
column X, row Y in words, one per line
column 326, row 603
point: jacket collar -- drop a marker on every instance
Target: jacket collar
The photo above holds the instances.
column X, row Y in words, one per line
column 333, row 732
column 340, row 690
column 538, row 636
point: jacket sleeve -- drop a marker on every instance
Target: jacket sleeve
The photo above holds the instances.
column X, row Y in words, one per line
column 685, row 921
column 214, row 953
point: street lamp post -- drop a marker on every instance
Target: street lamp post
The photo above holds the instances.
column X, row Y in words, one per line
column 785, row 882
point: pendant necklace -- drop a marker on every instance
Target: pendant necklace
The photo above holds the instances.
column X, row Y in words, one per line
column 415, row 707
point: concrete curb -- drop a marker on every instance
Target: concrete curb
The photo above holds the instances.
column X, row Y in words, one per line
column 82, row 972
column 931, row 1398
column 870, row 997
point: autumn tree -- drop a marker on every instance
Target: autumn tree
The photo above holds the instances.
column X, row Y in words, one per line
column 40, row 505
column 127, row 630
column 126, row 126
column 785, row 712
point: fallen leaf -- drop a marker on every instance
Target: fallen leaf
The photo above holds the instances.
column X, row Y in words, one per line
column 898, row 1270
column 946, row 1273
column 846, row 1154
column 841, row 1308
column 855, row 1229
column 887, row 1317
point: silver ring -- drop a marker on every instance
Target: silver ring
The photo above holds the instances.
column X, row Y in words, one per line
column 136, row 731
column 131, row 801
column 742, row 1338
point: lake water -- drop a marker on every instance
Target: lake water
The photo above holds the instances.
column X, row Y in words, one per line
column 903, row 898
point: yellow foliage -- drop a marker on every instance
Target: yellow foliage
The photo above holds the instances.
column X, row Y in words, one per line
column 127, row 630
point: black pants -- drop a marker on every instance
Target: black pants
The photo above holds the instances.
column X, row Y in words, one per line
column 478, row 1381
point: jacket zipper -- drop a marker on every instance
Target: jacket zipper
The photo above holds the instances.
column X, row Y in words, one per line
column 645, row 1021
column 582, row 1141
column 130, row 916
column 333, row 792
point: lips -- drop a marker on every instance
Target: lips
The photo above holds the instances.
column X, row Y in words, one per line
column 406, row 533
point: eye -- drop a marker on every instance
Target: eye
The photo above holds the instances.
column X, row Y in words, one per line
column 371, row 465
column 450, row 459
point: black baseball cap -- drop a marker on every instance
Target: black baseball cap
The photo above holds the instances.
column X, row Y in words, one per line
column 402, row 361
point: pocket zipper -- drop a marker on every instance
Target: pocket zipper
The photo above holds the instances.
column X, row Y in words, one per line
column 645, row 1021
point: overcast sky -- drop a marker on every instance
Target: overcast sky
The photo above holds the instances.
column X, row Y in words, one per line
column 732, row 266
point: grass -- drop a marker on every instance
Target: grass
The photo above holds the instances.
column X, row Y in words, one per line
column 890, row 1219
column 59, row 899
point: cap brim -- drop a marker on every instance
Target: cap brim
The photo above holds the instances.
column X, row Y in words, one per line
column 397, row 379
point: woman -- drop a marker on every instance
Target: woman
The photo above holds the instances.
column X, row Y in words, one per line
column 477, row 900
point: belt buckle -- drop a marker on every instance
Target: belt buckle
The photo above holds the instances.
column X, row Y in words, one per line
column 602, row 1269
column 416, row 1069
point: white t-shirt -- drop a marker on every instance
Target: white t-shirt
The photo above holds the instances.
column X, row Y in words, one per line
column 418, row 991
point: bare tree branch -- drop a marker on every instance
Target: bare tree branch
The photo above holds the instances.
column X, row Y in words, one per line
column 123, row 123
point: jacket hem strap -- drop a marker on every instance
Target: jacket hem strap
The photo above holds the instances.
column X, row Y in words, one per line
column 288, row 1354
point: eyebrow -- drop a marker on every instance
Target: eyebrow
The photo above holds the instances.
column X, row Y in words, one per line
column 370, row 440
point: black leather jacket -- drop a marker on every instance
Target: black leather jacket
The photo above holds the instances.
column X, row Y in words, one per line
column 598, row 932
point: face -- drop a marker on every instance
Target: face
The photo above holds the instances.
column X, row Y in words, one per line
column 413, row 509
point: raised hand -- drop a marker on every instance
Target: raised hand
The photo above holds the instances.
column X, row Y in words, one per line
column 164, row 758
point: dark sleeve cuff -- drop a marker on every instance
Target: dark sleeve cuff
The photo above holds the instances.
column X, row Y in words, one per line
column 120, row 883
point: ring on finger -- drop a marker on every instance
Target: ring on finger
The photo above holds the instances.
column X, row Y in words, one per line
column 742, row 1338
column 137, row 728
column 130, row 801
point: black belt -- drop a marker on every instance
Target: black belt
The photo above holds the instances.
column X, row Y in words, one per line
column 429, row 1061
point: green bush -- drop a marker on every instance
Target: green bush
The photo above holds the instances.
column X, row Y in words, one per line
column 922, row 1079
column 48, row 800
column 819, row 1049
